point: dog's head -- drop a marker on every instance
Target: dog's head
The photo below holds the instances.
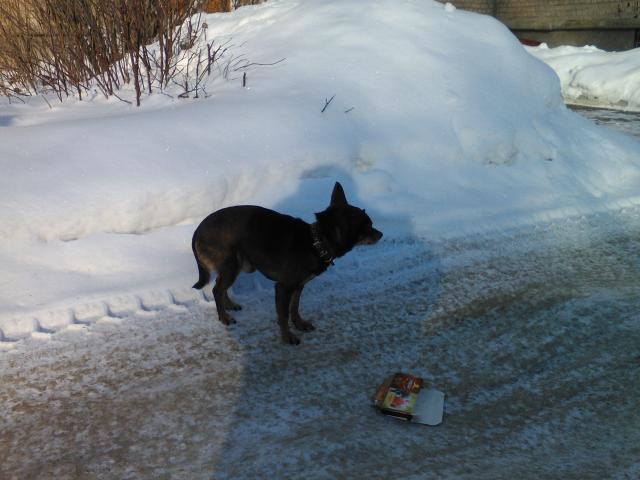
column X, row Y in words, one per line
column 346, row 226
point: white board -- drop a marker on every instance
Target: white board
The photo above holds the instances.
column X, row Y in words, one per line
column 429, row 407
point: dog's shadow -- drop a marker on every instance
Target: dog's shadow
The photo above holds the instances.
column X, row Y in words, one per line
column 294, row 402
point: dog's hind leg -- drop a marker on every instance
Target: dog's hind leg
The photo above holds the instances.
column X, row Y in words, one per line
column 203, row 271
column 283, row 300
column 227, row 272
column 203, row 275
column 244, row 266
column 294, row 313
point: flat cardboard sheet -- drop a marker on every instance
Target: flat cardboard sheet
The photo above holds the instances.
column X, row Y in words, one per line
column 429, row 407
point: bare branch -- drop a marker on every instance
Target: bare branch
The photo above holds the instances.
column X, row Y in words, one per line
column 252, row 64
column 326, row 103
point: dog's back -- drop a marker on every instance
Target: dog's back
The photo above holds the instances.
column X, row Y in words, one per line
column 255, row 236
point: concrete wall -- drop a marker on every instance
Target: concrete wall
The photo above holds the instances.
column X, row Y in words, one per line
column 612, row 40
column 608, row 24
column 568, row 14
column 487, row 7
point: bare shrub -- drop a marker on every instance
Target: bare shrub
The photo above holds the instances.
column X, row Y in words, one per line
column 70, row 46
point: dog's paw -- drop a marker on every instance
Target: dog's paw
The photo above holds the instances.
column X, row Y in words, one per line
column 231, row 305
column 291, row 339
column 227, row 320
column 303, row 325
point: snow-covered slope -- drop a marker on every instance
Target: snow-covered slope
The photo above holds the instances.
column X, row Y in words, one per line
column 441, row 123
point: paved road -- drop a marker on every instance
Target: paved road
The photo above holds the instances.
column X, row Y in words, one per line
column 628, row 122
column 534, row 335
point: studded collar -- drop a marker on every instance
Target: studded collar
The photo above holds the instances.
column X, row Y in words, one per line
column 321, row 247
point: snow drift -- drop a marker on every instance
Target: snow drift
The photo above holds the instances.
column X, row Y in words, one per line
column 440, row 123
column 592, row 77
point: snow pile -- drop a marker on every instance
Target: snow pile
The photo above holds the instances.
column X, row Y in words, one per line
column 593, row 77
column 441, row 123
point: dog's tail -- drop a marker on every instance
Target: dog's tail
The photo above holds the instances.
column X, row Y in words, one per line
column 203, row 272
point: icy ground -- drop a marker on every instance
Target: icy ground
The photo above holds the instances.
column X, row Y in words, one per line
column 624, row 121
column 532, row 333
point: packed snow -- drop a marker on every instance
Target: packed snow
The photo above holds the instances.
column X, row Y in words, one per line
column 441, row 124
column 593, row 77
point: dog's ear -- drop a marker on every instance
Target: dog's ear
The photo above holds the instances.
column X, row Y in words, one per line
column 337, row 196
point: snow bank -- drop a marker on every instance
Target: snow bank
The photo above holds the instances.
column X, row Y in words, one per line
column 593, row 77
column 441, row 123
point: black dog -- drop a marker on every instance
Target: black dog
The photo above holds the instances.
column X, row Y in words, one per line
column 285, row 249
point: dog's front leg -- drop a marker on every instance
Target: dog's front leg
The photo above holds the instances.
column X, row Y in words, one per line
column 294, row 313
column 283, row 300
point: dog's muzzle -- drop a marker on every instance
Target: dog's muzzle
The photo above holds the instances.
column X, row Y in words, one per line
column 371, row 237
